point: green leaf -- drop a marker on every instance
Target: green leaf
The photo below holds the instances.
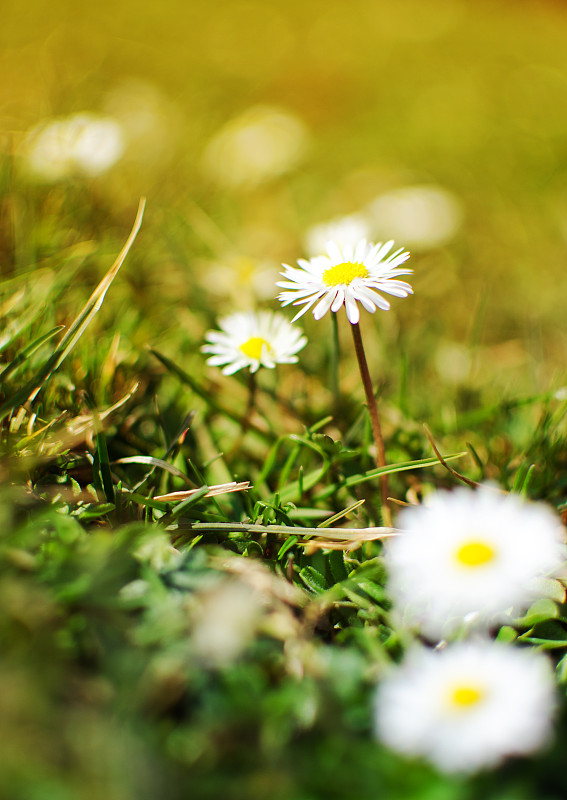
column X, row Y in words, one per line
column 355, row 480
column 28, row 351
column 376, row 592
column 507, row 634
column 313, row 579
column 561, row 669
column 539, row 611
column 549, row 634
column 103, row 463
column 336, row 561
column 287, row 545
column 523, row 479
column 94, row 511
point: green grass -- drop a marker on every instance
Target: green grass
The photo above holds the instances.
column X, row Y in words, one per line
column 105, row 590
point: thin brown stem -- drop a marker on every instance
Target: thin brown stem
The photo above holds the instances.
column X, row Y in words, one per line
column 374, row 419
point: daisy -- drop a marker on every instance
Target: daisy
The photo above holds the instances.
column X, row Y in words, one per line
column 347, row 275
column 82, row 144
column 468, row 706
column 253, row 339
column 471, row 553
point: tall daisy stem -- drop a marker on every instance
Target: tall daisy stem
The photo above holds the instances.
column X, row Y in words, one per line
column 374, row 420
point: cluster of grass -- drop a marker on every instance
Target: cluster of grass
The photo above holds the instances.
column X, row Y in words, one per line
column 226, row 644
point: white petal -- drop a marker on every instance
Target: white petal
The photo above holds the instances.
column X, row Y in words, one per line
column 305, row 308
column 396, row 288
column 360, row 252
column 373, row 297
column 385, row 248
column 324, row 305
column 368, row 304
column 339, row 299
column 352, row 311
column 334, row 252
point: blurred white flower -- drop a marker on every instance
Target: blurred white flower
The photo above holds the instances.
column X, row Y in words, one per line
column 346, row 276
column 228, row 614
column 253, row 339
column 468, row 706
column 344, row 231
column 422, row 216
column 260, row 144
column 471, row 552
column 241, row 277
column 82, row 144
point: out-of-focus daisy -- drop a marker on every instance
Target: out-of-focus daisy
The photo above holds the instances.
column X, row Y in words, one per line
column 346, row 276
column 253, row 339
column 471, row 553
column 468, row 706
column 422, row 216
column 257, row 146
column 344, row 231
column 81, row 144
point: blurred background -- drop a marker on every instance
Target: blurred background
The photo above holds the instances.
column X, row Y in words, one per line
column 253, row 126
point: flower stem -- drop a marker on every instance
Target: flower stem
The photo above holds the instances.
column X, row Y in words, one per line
column 374, row 419
column 334, row 364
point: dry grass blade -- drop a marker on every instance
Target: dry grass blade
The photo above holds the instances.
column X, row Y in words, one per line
column 150, row 461
column 28, row 392
column 95, row 301
column 346, row 538
column 220, row 488
column 454, row 473
column 262, row 579
column 73, row 433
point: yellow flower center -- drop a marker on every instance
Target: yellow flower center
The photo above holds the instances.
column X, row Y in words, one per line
column 475, row 554
column 463, row 697
column 253, row 347
column 344, row 273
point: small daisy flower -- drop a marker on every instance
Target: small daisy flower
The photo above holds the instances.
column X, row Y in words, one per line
column 468, row 706
column 253, row 339
column 471, row 553
column 347, row 275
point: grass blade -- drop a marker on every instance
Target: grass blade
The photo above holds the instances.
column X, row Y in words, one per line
column 28, row 392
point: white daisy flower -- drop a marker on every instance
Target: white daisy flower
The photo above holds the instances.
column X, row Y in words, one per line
column 253, row 339
column 471, row 553
column 345, row 276
column 83, row 144
column 468, row 706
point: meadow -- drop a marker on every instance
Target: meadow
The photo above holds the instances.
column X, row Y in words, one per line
column 201, row 586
